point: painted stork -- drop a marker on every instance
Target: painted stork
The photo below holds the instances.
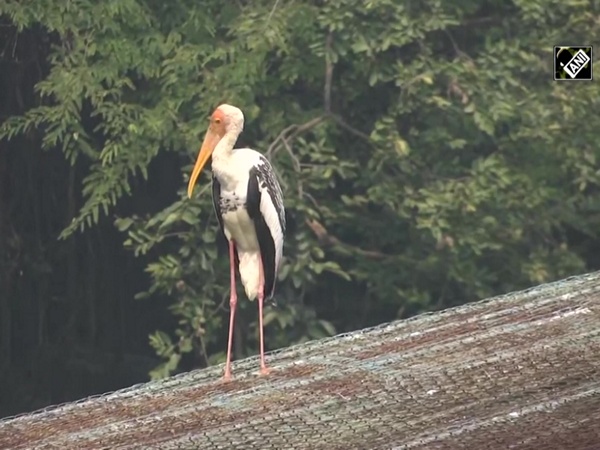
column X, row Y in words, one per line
column 249, row 206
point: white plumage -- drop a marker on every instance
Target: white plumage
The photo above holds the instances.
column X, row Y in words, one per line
column 249, row 205
column 232, row 173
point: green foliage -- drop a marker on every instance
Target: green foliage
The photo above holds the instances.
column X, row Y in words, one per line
column 427, row 156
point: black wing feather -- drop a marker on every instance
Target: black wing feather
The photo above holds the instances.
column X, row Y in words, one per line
column 216, row 195
column 265, row 239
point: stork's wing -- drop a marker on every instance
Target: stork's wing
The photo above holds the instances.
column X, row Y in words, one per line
column 216, row 195
column 265, row 207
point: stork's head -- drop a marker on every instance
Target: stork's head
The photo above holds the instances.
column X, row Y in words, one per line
column 226, row 119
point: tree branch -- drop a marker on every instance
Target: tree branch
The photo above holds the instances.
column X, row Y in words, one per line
column 327, row 93
column 457, row 50
column 291, row 153
column 271, row 13
column 329, row 240
column 341, row 122
column 282, row 140
column 328, row 74
column 290, row 133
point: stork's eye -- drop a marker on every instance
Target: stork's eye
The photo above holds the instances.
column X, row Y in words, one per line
column 217, row 121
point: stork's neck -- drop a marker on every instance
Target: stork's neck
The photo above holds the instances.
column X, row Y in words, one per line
column 225, row 146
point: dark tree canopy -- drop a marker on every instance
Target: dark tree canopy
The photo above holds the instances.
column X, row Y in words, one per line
column 427, row 157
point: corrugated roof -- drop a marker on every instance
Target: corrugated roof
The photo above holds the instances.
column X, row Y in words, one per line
column 518, row 371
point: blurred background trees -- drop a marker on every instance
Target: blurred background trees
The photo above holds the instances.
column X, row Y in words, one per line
column 428, row 159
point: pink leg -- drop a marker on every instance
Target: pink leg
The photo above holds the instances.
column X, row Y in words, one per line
column 232, row 305
column 261, row 297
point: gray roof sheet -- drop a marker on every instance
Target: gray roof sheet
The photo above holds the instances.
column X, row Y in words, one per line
column 518, row 371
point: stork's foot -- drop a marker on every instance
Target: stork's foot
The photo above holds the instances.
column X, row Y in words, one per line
column 264, row 371
column 226, row 377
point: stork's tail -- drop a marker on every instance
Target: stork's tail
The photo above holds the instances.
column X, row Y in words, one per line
column 249, row 272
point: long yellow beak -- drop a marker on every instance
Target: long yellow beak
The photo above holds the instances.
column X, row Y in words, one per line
column 208, row 145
